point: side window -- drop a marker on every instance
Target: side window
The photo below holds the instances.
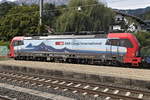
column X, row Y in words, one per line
column 126, row 43
column 18, row 43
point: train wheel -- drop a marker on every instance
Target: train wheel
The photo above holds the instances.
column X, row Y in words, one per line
column 16, row 58
column 69, row 60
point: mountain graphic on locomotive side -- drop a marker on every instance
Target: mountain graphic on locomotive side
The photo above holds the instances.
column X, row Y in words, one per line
column 115, row 49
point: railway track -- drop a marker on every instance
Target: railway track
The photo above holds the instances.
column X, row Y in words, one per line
column 106, row 92
column 5, row 98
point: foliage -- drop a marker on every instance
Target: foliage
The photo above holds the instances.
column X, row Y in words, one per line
column 146, row 16
column 49, row 14
column 20, row 20
column 144, row 39
column 145, row 51
column 90, row 18
column 23, row 20
column 3, row 43
column 5, row 7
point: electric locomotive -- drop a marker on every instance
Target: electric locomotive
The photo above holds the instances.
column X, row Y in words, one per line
column 114, row 49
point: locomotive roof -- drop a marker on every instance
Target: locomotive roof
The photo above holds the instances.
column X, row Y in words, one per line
column 66, row 36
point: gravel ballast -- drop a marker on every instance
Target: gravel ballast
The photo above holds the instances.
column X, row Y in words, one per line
column 130, row 77
column 129, row 73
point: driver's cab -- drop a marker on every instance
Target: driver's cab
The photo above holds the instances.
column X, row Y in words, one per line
column 16, row 41
column 118, row 47
column 120, row 42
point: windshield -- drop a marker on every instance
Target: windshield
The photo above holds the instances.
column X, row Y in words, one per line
column 120, row 42
column 18, row 43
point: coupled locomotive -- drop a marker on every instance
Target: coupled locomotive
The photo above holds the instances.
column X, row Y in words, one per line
column 115, row 49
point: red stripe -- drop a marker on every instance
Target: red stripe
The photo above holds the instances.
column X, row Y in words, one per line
column 59, row 43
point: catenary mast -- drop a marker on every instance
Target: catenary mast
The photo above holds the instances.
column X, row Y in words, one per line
column 41, row 12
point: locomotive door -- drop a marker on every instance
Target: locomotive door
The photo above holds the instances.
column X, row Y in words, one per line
column 114, row 49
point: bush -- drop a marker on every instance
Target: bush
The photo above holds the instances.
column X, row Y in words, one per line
column 145, row 51
column 144, row 40
column 4, row 43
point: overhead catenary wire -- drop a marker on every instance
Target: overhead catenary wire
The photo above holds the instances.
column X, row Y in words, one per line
column 68, row 8
column 57, row 9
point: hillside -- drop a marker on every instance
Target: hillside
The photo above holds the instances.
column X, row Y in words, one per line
column 57, row 2
column 146, row 16
column 2, row 1
column 137, row 12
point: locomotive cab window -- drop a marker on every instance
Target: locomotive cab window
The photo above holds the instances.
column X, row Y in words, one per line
column 113, row 42
column 18, row 43
column 120, row 42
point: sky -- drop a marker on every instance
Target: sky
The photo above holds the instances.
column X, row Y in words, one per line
column 125, row 4
column 128, row 4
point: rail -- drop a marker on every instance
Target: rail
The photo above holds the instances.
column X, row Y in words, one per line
column 85, row 88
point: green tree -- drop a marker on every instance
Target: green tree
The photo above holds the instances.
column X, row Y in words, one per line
column 93, row 16
column 146, row 16
column 20, row 20
column 5, row 7
column 49, row 14
column 144, row 40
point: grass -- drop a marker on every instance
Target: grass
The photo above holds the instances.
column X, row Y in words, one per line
column 4, row 58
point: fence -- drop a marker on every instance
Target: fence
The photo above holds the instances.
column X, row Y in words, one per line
column 4, row 51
